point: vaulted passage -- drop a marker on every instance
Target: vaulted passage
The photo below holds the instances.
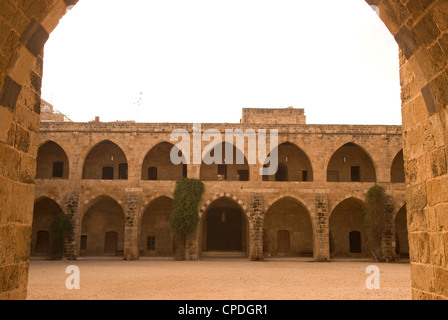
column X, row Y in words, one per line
column 351, row 163
column 102, row 229
column 45, row 210
column 293, row 164
column 346, row 229
column 156, row 234
column 106, row 161
column 224, row 227
column 230, row 165
column 52, row 162
column 157, row 164
column 287, row 229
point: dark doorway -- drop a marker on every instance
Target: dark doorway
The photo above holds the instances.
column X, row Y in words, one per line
column 111, row 242
column 283, row 241
column 224, row 229
column 355, row 241
column 42, row 242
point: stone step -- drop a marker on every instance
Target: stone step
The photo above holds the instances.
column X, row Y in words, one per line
column 224, row 255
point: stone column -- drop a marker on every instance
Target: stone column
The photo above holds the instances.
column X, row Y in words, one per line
column 71, row 203
column 321, row 232
column 256, row 215
column 131, row 225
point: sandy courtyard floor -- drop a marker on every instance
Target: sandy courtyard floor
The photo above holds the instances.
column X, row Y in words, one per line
column 217, row 280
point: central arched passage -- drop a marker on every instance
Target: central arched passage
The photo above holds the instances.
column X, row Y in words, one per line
column 224, row 227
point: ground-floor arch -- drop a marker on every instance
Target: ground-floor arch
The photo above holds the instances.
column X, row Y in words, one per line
column 102, row 229
column 156, row 234
column 347, row 236
column 224, row 227
column 45, row 210
column 287, row 229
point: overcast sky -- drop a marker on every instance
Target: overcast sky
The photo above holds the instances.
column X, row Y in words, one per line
column 203, row 61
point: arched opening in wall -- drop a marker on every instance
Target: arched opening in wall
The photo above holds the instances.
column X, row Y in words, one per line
column 224, row 227
column 219, row 165
column 288, row 229
column 397, row 174
column 52, row 162
column 346, row 225
column 106, row 161
column 293, row 164
column 401, row 233
column 156, row 234
column 157, row 164
column 45, row 210
column 102, row 229
column 351, row 163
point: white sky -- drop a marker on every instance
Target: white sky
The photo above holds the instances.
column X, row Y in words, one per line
column 203, row 61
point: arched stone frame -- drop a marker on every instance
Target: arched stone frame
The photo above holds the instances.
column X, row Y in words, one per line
column 151, row 148
column 34, row 231
column 88, row 151
column 363, row 149
column 66, row 174
column 312, row 217
column 393, row 178
column 90, row 203
column 202, row 215
column 301, row 149
column 141, row 216
column 357, row 199
column 418, row 28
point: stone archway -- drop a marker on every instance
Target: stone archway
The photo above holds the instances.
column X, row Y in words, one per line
column 45, row 210
column 287, row 229
column 420, row 29
column 102, row 228
column 224, row 227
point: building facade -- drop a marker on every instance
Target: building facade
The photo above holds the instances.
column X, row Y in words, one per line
column 116, row 181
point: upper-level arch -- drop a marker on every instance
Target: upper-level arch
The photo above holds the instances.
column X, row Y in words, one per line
column 228, row 168
column 397, row 174
column 293, row 164
column 52, row 162
column 351, row 163
column 157, row 164
column 105, row 161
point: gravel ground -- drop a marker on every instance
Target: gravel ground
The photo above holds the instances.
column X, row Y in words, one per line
column 272, row 279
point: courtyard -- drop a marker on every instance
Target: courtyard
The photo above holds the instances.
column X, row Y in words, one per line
column 217, row 279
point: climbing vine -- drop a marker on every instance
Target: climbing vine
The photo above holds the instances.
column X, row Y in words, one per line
column 60, row 231
column 184, row 218
column 377, row 219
